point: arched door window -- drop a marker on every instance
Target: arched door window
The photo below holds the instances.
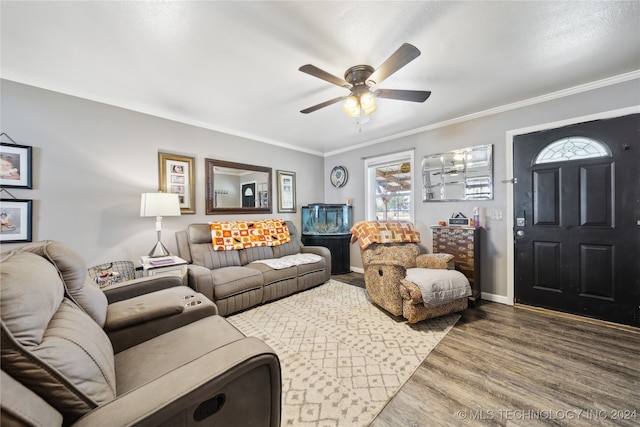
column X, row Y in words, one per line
column 572, row 148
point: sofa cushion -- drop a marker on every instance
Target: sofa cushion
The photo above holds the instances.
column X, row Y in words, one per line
column 201, row 249
column 27, row 303
column 73, row 271
column 271, row 275
column 249, row 255
column 203, row 254
column 292, row 247
column 231, row 281
column 404, row 253
column 20, row 406
column 48, row 343
column 307, row 268
column 153, row 358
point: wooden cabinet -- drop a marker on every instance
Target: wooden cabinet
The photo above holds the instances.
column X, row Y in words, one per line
column 464, row 244
column 338, row 245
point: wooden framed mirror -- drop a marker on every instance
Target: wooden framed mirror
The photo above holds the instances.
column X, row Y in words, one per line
column 237, row 188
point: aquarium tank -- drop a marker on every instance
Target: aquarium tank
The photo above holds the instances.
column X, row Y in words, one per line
column 321, row 218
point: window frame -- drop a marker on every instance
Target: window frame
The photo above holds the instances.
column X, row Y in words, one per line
column 554, row 147
column 370, row 163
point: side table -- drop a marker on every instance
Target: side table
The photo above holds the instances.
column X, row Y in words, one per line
column 169, row 265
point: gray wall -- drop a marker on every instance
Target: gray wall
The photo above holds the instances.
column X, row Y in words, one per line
column 92, row 161
column 491, row 129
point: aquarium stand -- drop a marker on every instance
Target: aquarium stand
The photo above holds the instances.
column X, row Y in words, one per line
column 338, row 245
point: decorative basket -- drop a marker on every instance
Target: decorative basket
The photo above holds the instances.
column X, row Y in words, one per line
column 112, row 272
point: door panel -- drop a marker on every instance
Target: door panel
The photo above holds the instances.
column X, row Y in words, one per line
column 577, row 232
column 596, row 271
column 546, row 194
column 547, row 266
column 596, row 196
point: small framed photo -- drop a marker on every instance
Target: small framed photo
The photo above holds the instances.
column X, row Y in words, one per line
column 15, row 220
column 177, row 176
column 15, row 165
column 286, row 191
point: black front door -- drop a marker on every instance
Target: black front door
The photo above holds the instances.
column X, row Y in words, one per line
column 577, row 219
column 249, row 195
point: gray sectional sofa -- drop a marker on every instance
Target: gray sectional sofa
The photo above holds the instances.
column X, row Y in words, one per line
column 235, row 279
column 177, row 365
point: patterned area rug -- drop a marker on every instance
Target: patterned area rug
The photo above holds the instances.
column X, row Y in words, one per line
column 342, row 357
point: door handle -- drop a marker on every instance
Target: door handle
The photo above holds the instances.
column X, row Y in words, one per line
column 520, row 233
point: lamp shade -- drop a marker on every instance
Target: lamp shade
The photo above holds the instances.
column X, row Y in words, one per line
column 159, row 204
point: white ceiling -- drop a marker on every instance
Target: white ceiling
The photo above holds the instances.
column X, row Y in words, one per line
column 233, row 66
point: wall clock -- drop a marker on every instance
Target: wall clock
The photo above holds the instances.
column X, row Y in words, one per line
column 339, row 176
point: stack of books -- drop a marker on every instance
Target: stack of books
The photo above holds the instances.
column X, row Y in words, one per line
column 160, row 261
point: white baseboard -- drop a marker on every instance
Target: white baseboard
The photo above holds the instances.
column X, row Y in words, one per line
column 495, row 298
column 357, row 269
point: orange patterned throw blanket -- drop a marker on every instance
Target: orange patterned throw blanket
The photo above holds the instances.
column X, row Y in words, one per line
column 248, row 234
column 368, row 232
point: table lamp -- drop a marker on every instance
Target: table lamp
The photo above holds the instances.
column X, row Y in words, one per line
column 159, row 205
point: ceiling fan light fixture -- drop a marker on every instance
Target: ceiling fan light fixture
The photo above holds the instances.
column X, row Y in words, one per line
column 367, row 103
column 351, row 106
column 362, row 81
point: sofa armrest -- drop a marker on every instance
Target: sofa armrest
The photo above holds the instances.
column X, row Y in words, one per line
column 150, row 307
column 175, row 397
column 200, row 280
column 323, row 252
column 20, row 406
column 438, row 261
column 409, row 291
column 145, row 285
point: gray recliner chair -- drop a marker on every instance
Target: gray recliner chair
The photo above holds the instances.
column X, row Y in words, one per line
column 59, row 366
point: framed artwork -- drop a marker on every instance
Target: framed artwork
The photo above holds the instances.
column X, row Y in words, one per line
column 286, row 191
column 15, row 220
column 177, row 176
column 15, row 165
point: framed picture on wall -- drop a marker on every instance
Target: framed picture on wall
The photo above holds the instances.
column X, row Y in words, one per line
column 15, row 220
column 286, row 191
column 177, row 176
column 15, row 165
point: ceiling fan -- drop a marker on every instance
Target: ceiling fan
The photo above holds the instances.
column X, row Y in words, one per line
column 360, row 79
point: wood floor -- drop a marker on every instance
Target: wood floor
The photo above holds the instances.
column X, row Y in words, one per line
column 502, row 365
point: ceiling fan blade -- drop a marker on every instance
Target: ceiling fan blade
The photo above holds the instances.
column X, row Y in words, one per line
column 324, row 104
column 321, row 74
column 403, row 95
column 401, row 57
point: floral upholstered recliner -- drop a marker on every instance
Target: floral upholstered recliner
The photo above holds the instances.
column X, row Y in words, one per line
column 403, row 281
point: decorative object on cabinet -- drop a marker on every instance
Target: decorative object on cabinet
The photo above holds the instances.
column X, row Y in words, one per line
column 286, row 191
column 15, row 164
column 464, row 244
column 177, row 177
column 458, row 219
column 339, row 176
column 328, row 225
column 256, row 186
column 465, row 174
column 159, row 205
column 15, row 220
